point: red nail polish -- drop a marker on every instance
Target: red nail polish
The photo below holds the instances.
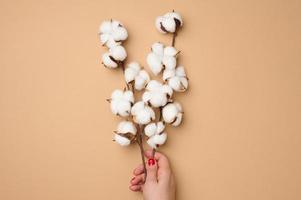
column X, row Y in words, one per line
column 151, row 161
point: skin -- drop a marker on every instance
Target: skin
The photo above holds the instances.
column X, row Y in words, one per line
column 159, row 183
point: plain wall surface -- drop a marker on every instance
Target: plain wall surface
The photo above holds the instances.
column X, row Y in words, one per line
column 240, row 138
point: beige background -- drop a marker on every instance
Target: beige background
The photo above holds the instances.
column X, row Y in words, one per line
column 241, row 134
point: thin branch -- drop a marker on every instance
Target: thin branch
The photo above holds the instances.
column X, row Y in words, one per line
column 140, row 143
column 174, row 35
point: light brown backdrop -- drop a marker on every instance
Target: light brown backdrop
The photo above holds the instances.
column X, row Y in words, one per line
column 241, row 134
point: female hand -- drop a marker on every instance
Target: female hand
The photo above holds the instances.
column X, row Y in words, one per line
column 159, row 183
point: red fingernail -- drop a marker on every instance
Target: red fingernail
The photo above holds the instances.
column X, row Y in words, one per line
column 151, row 161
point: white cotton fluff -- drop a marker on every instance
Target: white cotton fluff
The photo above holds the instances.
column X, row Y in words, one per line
column 161, row 57
column 115, row 55
column 176, row 79
column 118, row 52
column 157, row 94
column 172, row 113
column 154, row 128
column 121, row 102
column 142, row 113
column 123, row 141
column 112, row 33
column 125, row 127
column 141, row 80
column 133, row 72
column 108, row 61
column 169, row 23
column 156, row 140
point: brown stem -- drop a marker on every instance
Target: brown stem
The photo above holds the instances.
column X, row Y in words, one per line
column 153, row 153
column 174, row 35
column 160, row 113
column 139, row 141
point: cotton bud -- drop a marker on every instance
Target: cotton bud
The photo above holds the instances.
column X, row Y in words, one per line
column 161, row 58
column 172, row 113
column 142, row 113
column 176, row 79
column 121, row 102
column 125, row 132
column 157, row 94
column 112, row 33
column 115, row 55
column 133, row 72
column 169, row 23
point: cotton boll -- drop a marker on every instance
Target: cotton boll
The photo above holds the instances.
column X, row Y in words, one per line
column 123, row 107
column 169, row 62
column 156, row 94
column 158, row 48
column 154, row 128
column 175, row 83
column 123, row 141
column 112, row 33
column 160, row 139
column 141, row 80
column 172, row 113
column 150, row 129
column 121, row 102
column 120, row 34
column 157, row 140
column 170, row 51
column 161, row 57
column 128, row 96
column 151, row 143
column 176, row 16
column 142, row 113
column 168, row 73
column 169, row 23
column 158, row 100
column 154, row 62
column 169, row 113
column 131, row 71
column 176, row 79
column 126, row 127
column 108, row 62
column 118, row 52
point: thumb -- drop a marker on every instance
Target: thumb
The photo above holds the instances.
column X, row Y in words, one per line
column 151, row 168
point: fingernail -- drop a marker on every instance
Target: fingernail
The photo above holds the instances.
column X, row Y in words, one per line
column 151, row 162
column 133, row 178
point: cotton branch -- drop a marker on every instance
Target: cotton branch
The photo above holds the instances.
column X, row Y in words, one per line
column 139, row 116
